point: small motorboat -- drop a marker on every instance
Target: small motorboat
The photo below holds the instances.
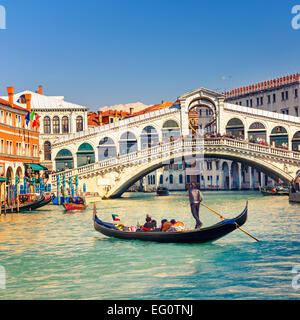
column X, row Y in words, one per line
column 277, row 191
column 75, row 205
column 162, row 191
column 208, row 234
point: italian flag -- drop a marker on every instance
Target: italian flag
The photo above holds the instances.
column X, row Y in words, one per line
column 116, row 217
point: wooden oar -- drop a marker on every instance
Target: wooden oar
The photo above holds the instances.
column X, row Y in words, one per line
column 225, row 219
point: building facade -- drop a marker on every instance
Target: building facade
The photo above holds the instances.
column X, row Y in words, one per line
column 58, row 118
column 19, row 142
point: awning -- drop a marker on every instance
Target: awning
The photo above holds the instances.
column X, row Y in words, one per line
column 36, row 167
column 3, row 179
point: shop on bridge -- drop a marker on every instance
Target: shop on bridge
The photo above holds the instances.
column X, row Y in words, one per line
column 106, row 149
column 257, row 133
column 235, row 128
column 85, row 155
column 64, row 160
column 279, row 137
column 170, row 131
column 296, row 142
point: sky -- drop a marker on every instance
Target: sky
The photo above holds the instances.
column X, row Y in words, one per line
column 107, row 52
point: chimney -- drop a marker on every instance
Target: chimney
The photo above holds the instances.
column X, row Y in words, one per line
column 28, row 101
column 40, row 90
column 100, row 117
column 131, row 111
column 10, row 91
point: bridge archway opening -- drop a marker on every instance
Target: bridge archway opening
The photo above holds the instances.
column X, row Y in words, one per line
column 235, row 128
column 279, row 137
column 296, row 142
column 85, row 155
column 128, row 143
column 257, row 133
column 225, row 170
column 9, row 176
column 64, row 160
column 19, row 174
column 170, row 131
column 106, row 149
column 235, row 175
column 149, row 138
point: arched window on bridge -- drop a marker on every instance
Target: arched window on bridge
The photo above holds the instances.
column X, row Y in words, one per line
column 47, row 125
column 64, row 160
column 235, row 128
column 85, row 155
column 180, row 179
column 170, row 131
column 296, row 142
column 235, row 175
column 106, row 149
column 149, row 138
column 47, row 151
column 257, row 133
column 128, row 143
column 171, row 179
column 279, row 137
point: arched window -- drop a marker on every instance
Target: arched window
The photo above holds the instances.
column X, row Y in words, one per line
column 65, row 124
column 64, row 160
column 279, row 137
column 79, row 124
column 161, row 179
column 296, row 141
column 47, row 151
column 170, row 131
column 181, row 179
column 235, row 128
column 106, row 149
column 56, row 125
column 47, row 125
column 149, row 138
column 257, row 133
column 85, row 155
column 171, row 179
column 128, row 143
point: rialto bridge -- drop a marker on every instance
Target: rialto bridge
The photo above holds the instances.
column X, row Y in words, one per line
column 111, row 158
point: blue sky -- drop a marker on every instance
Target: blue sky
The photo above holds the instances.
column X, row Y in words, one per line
column 106, row 52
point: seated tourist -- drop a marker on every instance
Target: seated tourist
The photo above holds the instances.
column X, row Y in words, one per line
column 176, row 226
column 148, row 226
column 154, row 224
column 165, row 225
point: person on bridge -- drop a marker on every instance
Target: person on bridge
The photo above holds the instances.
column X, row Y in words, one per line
column 196, row 198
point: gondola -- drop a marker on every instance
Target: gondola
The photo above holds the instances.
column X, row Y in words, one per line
column 294, row 197
column 208, row 234
column 29, row 205
column 162, row 191
column 275, row 192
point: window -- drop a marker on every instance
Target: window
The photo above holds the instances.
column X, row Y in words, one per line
column 269, row 99
column 257, row 101
column 180, row 179
column 65, row 125
column 286, row 95
column 274, row 97
column 56, row 125
column 261, row 101
column 47, row 125
column 247, row 103
column 2, row 146
column 188, row 179
column 161, row 179
column 47, row 151
column 217, row 165
column 35, row 151
column 209, row 165
column 296, row 112
column 2, row 116
column 198, row 178
column 251, row 103
column 285, row 111
column 296, row 93
column 282, row 96
column 171, row 179
column 79, row 124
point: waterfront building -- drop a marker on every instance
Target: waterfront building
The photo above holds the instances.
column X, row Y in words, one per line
column 19, row 141
column 100, row 118
column 279, row 95
column 58, row 118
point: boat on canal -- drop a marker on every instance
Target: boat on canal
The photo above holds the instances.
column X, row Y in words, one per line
column 162, row 191
column 28, row 202
column 294, row 197
column 202, row 235
column 277, row 191
column 75, row 205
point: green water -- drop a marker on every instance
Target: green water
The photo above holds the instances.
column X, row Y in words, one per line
column 53, row 255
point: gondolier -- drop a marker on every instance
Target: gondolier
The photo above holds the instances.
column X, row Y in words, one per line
column 196, row 198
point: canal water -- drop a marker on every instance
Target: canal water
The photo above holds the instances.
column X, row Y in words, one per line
column 53, row 255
